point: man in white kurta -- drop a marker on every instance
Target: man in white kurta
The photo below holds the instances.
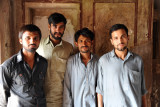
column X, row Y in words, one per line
column 56, row 51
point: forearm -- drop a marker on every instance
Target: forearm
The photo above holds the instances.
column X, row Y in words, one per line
column 144, row 103
column 100, row 100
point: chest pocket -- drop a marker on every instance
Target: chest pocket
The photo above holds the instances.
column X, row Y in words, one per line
column 134, row 76
column 21, row 79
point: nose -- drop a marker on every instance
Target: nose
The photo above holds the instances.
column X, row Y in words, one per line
column 32, row 40
column 120, row 40
column 84, row 43
column 57, row 29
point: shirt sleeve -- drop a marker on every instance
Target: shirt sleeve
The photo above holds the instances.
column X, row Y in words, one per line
column 4, row 86
column 99, row 88
column 143, row 88
column 67, row 95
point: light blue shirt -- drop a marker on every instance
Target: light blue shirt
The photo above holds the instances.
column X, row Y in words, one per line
column 80, row 82
column 121, row 82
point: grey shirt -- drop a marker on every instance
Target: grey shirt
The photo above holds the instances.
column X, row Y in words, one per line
column 21, row 86
column 121, row 82
column 80, row 82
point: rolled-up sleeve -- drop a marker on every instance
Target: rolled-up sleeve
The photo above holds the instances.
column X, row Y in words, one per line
column 67, row 96
column 99, row 88
column 4, row 86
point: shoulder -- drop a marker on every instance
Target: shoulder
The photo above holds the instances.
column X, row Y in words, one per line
column 137, row 57
column 95, row 57
column 73, row 57
column 67, row 44
column 105, row 57
column 42, row 59
column 43, row 40
column 11, row 61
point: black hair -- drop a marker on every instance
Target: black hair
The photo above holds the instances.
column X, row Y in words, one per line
column 117, row 27
column 30, row 28
column 56, row 18
column 85, row 32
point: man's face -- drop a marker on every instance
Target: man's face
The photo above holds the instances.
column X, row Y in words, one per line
column 30, row 41
column 57, row 31
column 84, row 44
column 119, row 40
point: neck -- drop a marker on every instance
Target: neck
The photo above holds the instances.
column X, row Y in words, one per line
column 85, row 57
column 54, row 41
column 121, row 54
column 29, row 57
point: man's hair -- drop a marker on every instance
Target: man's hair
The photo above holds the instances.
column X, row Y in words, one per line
column 56, row 18
column 117, row 27
column 30, row 28
column 85, row 32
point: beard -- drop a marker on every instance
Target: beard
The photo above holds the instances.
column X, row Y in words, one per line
column 121, row 49
column 53, row 35
column 32, row 50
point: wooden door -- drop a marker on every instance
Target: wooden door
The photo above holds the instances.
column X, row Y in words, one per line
column 99, row 16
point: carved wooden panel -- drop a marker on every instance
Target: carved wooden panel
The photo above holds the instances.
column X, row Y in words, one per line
column 107, row 14
column 37, row 13
column 115, row 1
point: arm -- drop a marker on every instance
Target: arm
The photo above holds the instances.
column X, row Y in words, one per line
column 144, row 101
column 99, row 88
column 67, row 97
column 4, row 86
column 100, row 100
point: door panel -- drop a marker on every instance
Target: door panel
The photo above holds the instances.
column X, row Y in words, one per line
column 107, row 14
column 37, row 13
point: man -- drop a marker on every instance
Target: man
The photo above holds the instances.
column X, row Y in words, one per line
column 81, row 73
column 56, row 51
column 121, row 74
column 22, row 76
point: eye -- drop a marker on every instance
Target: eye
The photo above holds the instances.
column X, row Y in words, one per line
column 88, row 41
column 61, row 27
column 36, row 38
column 27, row 38
column 124, row 36
column 115, row 38
column 80, row 41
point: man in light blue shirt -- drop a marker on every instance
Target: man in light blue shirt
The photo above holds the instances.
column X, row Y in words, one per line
column 120, row 74
column 81, row 73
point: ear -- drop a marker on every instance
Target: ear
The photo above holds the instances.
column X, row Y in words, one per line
column 20, row 41
column 92, row 42
column 111, row 41
column 49, row 26
column 128, row 37
column 76, row 44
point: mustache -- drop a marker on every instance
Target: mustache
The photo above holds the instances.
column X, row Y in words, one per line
column 84, row 46
column 58, row 33
column 32, row 45
column 121, row 44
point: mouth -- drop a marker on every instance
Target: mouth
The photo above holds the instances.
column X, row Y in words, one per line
column 32, row 45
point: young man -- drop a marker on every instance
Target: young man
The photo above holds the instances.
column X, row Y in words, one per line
column 56, row 51
column 121, row 74
column 22, row 76
column 81, row 73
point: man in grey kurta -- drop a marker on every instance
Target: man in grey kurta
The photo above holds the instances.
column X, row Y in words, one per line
column 81, row 73
column 120, row 74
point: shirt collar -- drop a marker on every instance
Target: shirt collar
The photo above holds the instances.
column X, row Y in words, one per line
column 20, row 56
column 48, row 41
column 128, row 54
column 80, row 56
